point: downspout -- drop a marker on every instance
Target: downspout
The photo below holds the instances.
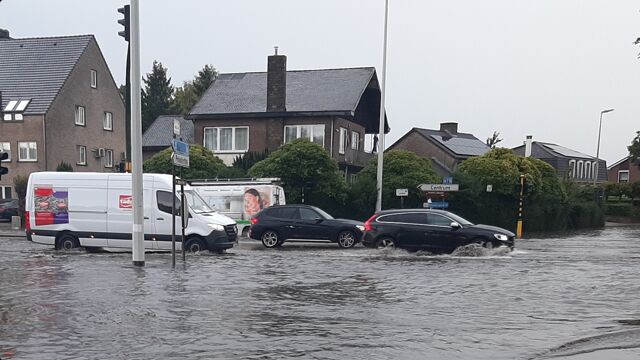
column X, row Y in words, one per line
column 333, row 119
column 44, row 139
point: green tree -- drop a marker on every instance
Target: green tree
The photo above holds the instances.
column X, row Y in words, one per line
column 634, row 148
column 64, row 167
column 401, row 170
column 157, row 95
column 204, row 79
column 307, row 173
column 202, row 164
column 191, row 92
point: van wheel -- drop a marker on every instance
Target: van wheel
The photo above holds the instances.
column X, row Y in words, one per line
column 67, row 241
column 270, row 239
column 195, row 245
column 346, row 239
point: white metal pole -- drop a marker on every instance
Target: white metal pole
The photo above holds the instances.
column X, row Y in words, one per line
column 595, row 178
column 136, row 138
column 382, row 122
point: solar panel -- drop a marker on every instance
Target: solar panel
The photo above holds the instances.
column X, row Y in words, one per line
column 463, row 146
column 567, row 152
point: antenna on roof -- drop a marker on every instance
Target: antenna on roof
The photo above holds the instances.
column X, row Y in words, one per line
column 274, row 48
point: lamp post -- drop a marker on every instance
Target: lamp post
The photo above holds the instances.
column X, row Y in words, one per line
column 382, row 112
column 595, row 178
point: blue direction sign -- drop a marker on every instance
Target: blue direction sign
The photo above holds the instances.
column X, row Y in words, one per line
column 439, row 205
column 180, row 153
column 448, row 180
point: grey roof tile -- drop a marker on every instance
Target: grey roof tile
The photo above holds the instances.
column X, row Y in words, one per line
column 37, row 68
column 160, row 132
column 307, row 90
column 460, row 144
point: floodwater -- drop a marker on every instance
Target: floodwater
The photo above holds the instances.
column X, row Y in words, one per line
column 560, row 296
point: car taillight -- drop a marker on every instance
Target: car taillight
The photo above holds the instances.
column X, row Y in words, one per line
column 367, row 224
column 254, row 220
column 27, row 223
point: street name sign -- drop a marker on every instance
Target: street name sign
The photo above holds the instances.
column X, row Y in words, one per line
column 402, row 192
column 438, row 187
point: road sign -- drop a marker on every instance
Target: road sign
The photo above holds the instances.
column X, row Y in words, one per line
column 447, row 180
column 439, row 205
column 176, row 127
column 180, row 153
column 402, row 192
column 438, row 187
column 489, row 188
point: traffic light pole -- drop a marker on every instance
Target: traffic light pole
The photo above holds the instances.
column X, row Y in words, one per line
column 520, row 206
column 136, row 138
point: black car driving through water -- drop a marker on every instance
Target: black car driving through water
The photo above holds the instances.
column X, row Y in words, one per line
column 277, row 224
column 435, row 231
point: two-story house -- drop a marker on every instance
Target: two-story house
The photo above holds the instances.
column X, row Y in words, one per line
column 568, row 163
column 58, row 103
column 445, row 147
column 257, row 111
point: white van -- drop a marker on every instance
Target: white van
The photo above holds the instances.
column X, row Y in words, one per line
column 240, row 199
column 95, row 210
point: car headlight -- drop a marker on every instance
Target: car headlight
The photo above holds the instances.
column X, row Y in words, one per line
column 501, row 237
column 360, row 227
column 216, row 227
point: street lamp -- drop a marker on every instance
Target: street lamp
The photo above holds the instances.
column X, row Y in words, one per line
column 595, row 178
column 383, row 82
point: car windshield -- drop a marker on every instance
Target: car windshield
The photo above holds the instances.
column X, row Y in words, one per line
column 197, row 204
column 322, row 213
column 459, row 219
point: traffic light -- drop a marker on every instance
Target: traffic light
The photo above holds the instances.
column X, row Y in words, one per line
column 124, row 22
column 3, row 170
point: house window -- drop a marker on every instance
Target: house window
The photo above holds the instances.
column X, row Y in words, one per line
column 27, row 151
column 80, row 116
column 580, row 173
column 5, row 192
column 343, row 141
column 353, row 178
column 94, row 79
column 623, row 176
column 6, row 147
column 107, row 123
column 594, row 169
column 82, row 155
column 587, row 170
column 108, row 158
column 572, row 169
column 355, row 140
column 226, row 139
column 315, row 133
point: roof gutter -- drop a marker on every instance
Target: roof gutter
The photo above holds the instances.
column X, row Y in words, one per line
column 271, row 114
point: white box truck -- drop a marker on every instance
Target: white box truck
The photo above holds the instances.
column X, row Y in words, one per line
column 240, row 199
column 95, row 210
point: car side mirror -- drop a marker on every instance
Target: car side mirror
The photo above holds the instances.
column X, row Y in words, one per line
column 318, row 220
column 455, row 226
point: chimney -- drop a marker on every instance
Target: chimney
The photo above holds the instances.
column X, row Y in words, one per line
column 276, row 82
column 527, row 146
column 4, row 34
column 450, row 127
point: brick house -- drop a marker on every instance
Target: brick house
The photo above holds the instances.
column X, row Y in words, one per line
column 570, row 164
column 58, row 102
column 624, row 170
column 258, row 111
column 446, row 147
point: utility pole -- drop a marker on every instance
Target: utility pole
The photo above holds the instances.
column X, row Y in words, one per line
column 136, row 139
column 382, row 122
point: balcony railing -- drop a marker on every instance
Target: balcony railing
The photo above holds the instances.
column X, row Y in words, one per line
column 354, row 157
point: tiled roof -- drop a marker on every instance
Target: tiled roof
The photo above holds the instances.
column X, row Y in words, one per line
column 160, row 133
column 566, row 152
column 460, row 144
column 307, row 91
column 37, row 68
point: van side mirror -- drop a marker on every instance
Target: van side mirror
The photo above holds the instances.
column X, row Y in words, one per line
column 455, row 225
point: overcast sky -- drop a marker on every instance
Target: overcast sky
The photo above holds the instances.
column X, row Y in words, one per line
column 544, row 68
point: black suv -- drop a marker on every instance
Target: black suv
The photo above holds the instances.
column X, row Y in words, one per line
column 274, row 225
column 436, row 231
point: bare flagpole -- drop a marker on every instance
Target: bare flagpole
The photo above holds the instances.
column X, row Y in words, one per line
column 382, row 122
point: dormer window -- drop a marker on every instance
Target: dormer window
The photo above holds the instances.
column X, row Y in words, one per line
column 14, row 109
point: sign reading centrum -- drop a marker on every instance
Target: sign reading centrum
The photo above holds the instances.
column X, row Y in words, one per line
column 438, row 187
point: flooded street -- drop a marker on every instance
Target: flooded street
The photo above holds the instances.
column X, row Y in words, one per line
column 560, row 296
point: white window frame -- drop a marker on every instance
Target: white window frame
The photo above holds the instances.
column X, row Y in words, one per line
column 233, row 139
column 107, row 122
column 108, row 158
column 572, row 169
column 620, row 172
column 81, row 116
column 299, row 132
column 342, row 146
column 580, row 169
column 28, row 158
column 3, row 192
column 587, row 170
column 82, row 155
column 355, row 140
column 6, row 147
column 94, row 79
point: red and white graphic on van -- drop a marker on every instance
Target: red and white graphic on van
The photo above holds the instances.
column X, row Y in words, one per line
column 126, row 202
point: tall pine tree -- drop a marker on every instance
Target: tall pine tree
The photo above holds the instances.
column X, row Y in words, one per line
column 191, row 91
column 157, row 95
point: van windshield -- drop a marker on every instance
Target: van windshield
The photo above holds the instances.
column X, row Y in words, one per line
column 197, row 204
